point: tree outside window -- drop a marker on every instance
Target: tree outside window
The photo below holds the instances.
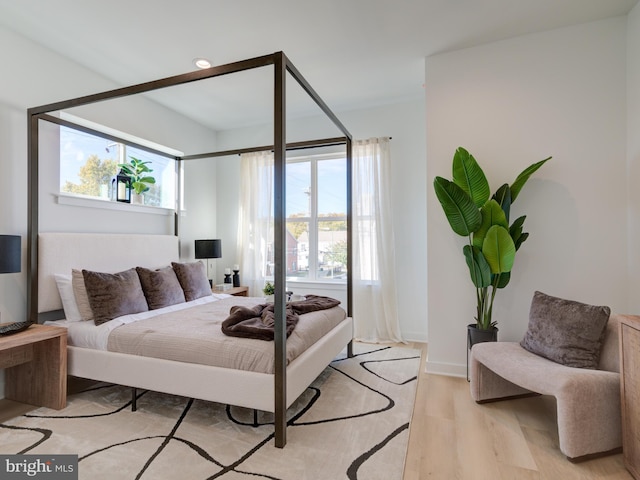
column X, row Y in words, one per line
column 88, row 164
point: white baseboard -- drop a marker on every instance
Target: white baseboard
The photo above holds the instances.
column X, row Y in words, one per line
column 420, row 337
column 447, row 369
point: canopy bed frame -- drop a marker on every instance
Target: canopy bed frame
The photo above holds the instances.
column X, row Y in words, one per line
column 281, row 66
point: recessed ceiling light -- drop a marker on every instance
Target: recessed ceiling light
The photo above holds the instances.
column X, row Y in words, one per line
column 201, row 63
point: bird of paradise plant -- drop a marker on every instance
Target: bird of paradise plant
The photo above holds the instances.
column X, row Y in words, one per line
column 484, row 219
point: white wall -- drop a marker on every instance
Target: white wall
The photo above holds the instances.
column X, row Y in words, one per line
column 404, row 122
column 633, row 155
column 511, row 103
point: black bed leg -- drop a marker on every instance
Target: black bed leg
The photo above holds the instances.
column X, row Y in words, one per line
column 134, row 399
column 350, row 349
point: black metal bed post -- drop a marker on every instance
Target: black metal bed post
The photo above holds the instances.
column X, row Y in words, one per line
column 279, row 213
column 32, row 215
column 176, row 213
column 349, row 237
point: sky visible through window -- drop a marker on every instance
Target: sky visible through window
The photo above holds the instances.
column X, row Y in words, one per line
column 332, row 189
column 76, row 147
column 88, row 164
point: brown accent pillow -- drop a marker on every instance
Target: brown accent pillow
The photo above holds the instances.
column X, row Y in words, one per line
column 193, row 279
column 80, row 292
column 565, row 331
column 112, row 295
column 160, row 287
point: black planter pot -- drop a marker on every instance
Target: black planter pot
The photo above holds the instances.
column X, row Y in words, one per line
column 475, row 335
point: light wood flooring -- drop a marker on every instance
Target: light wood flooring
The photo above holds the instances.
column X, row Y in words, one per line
column 453, row 438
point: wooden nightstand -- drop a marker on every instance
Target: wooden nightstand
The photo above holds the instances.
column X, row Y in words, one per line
column 235, row 291
column 36, row 366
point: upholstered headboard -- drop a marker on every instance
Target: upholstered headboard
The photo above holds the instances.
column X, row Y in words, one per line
column 62, row 252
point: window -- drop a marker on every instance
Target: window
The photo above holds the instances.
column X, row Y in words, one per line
column 316, row 218
column 88, row 163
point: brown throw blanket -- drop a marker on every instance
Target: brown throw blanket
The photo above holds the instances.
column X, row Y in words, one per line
column 259, row 322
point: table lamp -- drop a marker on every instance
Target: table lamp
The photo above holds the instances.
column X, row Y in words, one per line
column 10, row 262
column 208, row 249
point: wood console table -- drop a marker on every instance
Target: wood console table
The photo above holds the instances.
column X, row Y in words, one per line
column 36, row 366
column 630, row 392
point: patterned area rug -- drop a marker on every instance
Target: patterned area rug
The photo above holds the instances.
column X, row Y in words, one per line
column 351, row 423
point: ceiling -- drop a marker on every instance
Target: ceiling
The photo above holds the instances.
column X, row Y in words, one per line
column 355, row 53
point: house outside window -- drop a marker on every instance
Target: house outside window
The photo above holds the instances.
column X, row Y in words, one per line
column 316, row 218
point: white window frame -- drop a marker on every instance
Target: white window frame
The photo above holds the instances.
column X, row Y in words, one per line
column 125, row 139
column 314, row 219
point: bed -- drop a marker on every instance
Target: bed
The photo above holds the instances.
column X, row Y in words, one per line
column 56, row 253
column 59, row 253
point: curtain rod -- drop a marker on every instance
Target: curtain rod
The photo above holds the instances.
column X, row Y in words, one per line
column 325, row 142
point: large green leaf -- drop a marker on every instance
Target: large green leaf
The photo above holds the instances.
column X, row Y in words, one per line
column 492, row 215
column 523, row 177
column 503, row 197
column 478, row 267
column 498, row 249
column 468, row 175
column 462, row 214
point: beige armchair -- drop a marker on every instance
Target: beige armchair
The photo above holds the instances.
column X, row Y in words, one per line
column 588, row 401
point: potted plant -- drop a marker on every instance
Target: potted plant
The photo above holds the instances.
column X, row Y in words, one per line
column 484, row 220
column 140, row 181
column 269, row 290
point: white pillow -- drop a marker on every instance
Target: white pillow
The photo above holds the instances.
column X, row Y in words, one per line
column 65, row 288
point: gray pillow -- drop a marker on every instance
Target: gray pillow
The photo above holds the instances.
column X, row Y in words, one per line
column 193, row 279
column 80, row 292
column 565, row 331
column 112, row 295
column 160, row 287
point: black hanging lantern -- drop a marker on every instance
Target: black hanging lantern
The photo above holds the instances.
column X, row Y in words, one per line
column 123, row 187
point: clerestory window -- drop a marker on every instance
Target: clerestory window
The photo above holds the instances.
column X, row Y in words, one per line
column 89, row 164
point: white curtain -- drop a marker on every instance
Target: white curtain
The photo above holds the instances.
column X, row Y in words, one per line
column 255, row 225
column 375, row 310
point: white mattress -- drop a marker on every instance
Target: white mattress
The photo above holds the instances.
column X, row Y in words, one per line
column 191, row 333
column 89, row 335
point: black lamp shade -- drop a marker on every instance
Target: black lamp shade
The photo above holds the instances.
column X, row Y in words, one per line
column 209, row 248
column 10, row 256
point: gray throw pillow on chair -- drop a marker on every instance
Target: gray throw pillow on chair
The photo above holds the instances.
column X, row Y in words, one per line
column 566, row 331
